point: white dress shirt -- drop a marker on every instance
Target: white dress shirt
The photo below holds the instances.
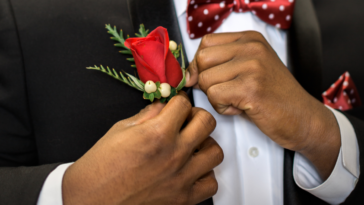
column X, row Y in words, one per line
column 252, row 171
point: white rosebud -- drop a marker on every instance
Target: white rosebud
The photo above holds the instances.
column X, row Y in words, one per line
column 165, row 90
column 150, row 87
column 172, row 45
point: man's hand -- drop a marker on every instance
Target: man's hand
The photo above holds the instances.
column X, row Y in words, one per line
column 148, row 159
column 240, row 72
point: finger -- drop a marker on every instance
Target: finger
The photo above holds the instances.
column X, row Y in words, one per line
column 207, row 58
column 145, row 114
column 229, row 98
column 208, row 157
column 204, row 188
column 208, row 41
column 201, row 124
column 219, row 74
column 174, row 114
column 192, row 74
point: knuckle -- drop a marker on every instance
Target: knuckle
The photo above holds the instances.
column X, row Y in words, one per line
column 183, row 102
column 206, row 118
column 219, row 154
column 200, row 57
column 214, row 186
column 255, row 66
column 212, row 92
column 257, row 48
column 203, row 80
column 205, row 41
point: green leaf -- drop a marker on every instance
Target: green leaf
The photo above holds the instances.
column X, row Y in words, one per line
column 130, row 59
column 151, row 97
column 157, row 94
column 131, row 81
column 138, row 82
column 119, row 37
column 146, row 96
column 125, row 52
column 158, row 84
column 163, row 100
column 133, row 66
column 142, row 31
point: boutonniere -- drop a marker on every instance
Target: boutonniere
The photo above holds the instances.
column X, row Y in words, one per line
column 160, row 76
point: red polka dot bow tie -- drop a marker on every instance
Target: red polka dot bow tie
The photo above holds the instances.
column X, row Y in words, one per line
column 205, row 16
column 343, row 94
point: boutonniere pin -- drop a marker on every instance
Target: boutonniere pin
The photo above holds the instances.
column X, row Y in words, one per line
column 160, row 76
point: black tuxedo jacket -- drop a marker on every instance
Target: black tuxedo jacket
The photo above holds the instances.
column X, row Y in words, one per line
column 52, row 110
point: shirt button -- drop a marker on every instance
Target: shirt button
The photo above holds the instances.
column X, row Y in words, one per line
column 253, row 152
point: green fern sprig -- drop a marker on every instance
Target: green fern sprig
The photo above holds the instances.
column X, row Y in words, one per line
column 142, row 31
column 129, row 80
column 119, row 37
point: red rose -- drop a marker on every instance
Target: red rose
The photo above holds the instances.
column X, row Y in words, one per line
column 153, row 59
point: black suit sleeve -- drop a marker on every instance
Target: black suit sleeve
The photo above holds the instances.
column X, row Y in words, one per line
column 18, row 185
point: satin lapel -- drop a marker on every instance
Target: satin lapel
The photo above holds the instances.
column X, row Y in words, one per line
column 305, row 48
column 154, row 13
column 305, row 61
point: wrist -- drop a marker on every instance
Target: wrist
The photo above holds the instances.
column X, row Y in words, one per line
column 323, row 140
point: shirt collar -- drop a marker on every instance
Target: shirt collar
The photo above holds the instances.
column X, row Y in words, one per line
column 181, row 6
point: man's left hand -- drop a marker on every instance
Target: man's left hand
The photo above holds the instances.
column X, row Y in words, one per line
column 241, row 73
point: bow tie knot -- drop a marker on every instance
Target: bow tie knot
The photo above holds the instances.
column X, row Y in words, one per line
column 241, row 6
column 205, row 16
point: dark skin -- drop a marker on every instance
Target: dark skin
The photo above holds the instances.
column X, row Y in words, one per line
column 241, row 73
column 148, row 159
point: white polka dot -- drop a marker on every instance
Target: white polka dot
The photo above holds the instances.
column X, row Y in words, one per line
column 234, row 2
column 324, row 94
column 290, row 1
column 247, row 1
column 333, row 85
column 281, row 8
column 192, row 2
column 344, row 93
column 195, row 6
column 271, row 16
column 335, row 100
column 208, row 1
column 222, row 4
column 208, row 29
column 329, row 101
column 200, row 24
column 288, row 17
column 278, row 25
column 192, row 35
column 340, row 107
column 341, row 77
column 347, row 74
column 206, row 11
column 240, row 10
column 265, row 6
column 352, row 91
column 353, row 100
column 254, row 12
column 190, row 18
column 346, row 83
column 217, row 17
column 349, row 102
column 273, row 0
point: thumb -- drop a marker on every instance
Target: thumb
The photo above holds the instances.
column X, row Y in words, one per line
column 145, row 114
column 192, row 74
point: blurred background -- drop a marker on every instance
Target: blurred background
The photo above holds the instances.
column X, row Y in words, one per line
column 343, row 42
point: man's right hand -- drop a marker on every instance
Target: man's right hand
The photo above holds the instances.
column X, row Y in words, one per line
column 148, row 159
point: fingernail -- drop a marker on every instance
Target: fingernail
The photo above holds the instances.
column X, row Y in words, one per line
column 188, row 75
